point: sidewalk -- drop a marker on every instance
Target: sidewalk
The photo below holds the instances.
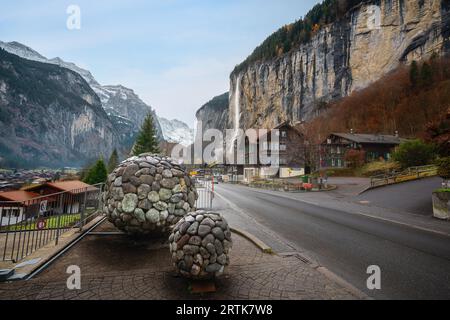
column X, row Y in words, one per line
column 115, row 267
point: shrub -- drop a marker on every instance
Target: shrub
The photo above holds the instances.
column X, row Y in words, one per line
column 379, row 167
column 355, row 158
column 444, row 168
column 414, row 153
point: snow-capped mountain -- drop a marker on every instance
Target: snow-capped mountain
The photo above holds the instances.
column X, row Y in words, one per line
column 25, row 52
column 126, row 110
column 176, row 131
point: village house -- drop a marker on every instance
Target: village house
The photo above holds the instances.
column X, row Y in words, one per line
column 66, row 196
column 18, row 205
column 74, row 193
column 290, row 151
column 333, row 150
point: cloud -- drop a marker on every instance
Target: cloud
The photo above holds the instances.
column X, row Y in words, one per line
column 180, row 91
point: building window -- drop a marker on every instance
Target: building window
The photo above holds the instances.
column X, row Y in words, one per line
column 6, row 213
column 283, row 134
column 333, row 164
column 282, row 147
column 339, row 163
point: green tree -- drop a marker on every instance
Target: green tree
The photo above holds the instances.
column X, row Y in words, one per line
column 414, row 153
column 414, row 73
column 146, row 140
column 113, row 161
column 444, row 168
column 426, row 74
column 97, row 173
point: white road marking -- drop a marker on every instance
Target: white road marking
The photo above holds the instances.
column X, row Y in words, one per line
column 364, row 214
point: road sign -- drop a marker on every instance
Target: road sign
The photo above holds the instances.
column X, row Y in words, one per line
column 41, row 224
column 43, row 206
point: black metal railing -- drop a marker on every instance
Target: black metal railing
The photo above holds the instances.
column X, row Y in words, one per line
column 26, row 226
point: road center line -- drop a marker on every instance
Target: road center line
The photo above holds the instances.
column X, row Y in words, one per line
column 362, row 214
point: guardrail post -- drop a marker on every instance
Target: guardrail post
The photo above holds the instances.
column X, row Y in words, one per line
column 83, row 210
column 60, row 210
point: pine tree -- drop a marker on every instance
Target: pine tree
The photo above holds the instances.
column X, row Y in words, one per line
column 146, row 140
column 414, row 74
column 113, row 161
column 97, row 173
column 426, row 74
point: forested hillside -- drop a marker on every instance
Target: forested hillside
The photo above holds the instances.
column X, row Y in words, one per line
column 409, row 100
column 291, row 36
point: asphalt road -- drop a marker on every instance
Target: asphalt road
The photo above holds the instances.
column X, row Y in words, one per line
column 411, row 196
column 414, row 264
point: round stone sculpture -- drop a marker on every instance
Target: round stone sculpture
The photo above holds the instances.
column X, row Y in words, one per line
column 200, row 244
column 147, row 194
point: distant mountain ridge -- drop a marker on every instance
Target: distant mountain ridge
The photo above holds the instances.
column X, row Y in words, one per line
column 126, row 114
column 214, row 113
column 124, row 107
column 49, row 116
column 176, row 131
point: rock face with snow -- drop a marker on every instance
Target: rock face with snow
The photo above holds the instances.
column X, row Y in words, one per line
column 125, row 109
column 176, row 131
column 58, row 120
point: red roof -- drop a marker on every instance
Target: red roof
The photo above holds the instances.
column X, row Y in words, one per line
column 73, row 186
column 18, row 195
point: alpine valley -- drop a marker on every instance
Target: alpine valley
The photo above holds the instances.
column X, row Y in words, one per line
column 54, row 113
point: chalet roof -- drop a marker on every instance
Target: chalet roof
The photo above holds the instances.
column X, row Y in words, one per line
column 370, row 138
column 18, row 195
column 290, row 126
column 73, row 186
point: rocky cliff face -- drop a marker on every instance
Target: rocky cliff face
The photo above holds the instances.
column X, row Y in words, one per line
column 127, row 112
column 214, row 114
column 125, row 109
column 176, row 131
column 49, row 116
column 373, row 39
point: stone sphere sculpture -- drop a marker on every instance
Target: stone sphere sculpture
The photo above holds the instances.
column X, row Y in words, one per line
column 147, row 194
column 200, row 244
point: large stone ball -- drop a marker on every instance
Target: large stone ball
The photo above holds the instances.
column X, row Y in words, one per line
column 200, row 244
column 147, row 194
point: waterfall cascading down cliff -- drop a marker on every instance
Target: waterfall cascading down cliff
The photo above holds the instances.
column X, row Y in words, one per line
column 340, row 58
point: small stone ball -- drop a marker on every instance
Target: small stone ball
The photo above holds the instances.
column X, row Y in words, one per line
column 200, row 245
column 147, row 194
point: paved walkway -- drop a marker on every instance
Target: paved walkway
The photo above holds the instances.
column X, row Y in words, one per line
column 115, row 267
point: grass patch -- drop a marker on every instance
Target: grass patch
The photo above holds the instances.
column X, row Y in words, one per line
column 379, row 167
column 67, row 220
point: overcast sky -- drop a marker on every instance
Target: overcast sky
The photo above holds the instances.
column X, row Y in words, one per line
column 176, row 54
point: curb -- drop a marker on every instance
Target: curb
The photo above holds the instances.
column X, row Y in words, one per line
column 261, row 245
column 352, row 289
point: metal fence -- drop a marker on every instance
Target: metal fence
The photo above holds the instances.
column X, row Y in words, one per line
column 205, row 190
column 409, row 174
column 29, row 225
